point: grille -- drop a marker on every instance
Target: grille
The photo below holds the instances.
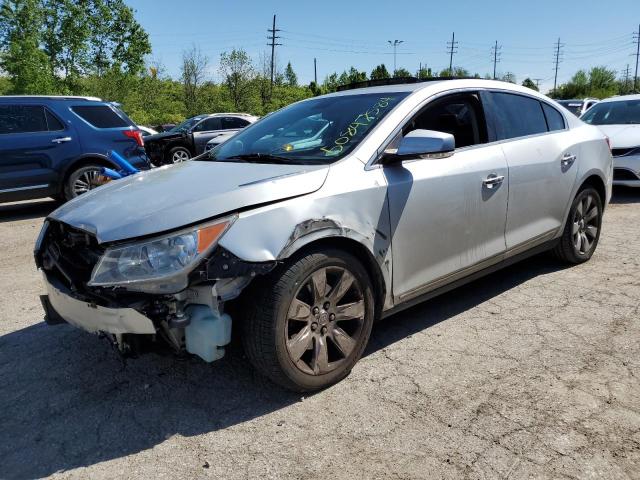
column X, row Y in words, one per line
column 624, row 174
column 70, row 254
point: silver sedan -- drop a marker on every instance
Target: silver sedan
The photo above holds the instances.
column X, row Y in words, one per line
column 315, row 221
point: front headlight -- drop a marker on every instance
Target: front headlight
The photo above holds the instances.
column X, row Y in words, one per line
column 161, row 264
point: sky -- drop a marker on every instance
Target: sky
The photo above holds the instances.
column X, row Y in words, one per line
column 343, row 33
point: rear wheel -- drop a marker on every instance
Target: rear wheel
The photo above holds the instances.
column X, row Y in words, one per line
column 582, row 230
column 84, row 179
column 309, row 323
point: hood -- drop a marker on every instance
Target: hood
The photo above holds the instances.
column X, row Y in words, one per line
column 622, row 136
column 162, row 136
column 171, row 197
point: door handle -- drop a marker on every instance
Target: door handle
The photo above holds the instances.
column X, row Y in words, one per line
column 493, row 180
column 61, row 140
column 567, row 160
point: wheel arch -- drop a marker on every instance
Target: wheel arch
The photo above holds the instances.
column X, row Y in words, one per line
column 594, row 180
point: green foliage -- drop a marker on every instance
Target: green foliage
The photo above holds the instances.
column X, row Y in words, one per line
column 425, row 73
column 401, row 73
column 238, row 72
column 457, row 72
column 599, row 82
column 380, row 72
column 530, row 84
column 290, row 76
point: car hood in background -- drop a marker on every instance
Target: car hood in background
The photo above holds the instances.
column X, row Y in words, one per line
column 171, row 197
column 162, row 136
column 622, row 136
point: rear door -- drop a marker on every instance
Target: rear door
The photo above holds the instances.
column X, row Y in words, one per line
column 204, row 131
column 34, row 144
column 542, row 155
column 447, row 214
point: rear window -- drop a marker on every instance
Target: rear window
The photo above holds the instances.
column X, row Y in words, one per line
column 518, row 116
column 22, row 119
column 52, row 122
column 555, row 121
column 100, row 116
column 233, row 122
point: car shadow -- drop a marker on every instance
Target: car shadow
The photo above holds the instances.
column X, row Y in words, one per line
column 11, row 212
column 622, row 195
column 68, row 401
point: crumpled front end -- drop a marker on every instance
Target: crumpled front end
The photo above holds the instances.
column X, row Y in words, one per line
column 192, row 320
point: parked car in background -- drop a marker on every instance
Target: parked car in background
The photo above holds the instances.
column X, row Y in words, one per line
column 619, row 119
column 146, row 131
column 215, row 141
column 300, row 246
column 190, row 137
column 578, row 107
column 53, row 146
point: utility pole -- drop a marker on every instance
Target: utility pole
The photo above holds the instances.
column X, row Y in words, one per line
column 636, row 38
column 273, row 37
column 452, row 47
column 626, row 74
column 496, row 58
column 394, row 44
column 557, row 60
column 537, row 80
column 315, row 71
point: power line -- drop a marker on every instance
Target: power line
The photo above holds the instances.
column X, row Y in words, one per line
column 394, row 44
column 452, row 47
column 496, row 53
column 273, row 37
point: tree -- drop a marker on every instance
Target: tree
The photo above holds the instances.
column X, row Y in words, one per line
column 290, row 76
column 457, row 72
column 401, row 73
column 380, row 72
column 238, row 73
column 425, row 73
column 530, row 84
column 193, row 71
column 509, row 77
column 599, row 82
column 20, row 55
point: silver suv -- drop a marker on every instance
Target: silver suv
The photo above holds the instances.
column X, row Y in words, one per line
column 300, row 244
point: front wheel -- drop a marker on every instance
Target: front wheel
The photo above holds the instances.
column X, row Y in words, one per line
column 309, row 322
column 582, row 230
column 178, row 155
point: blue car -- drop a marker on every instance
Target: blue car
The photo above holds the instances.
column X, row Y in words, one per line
column 56, row 147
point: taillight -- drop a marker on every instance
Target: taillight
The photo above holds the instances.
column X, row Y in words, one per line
column 136, row 135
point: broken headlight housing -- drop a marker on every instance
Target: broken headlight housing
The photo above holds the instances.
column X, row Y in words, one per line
column 158, row 265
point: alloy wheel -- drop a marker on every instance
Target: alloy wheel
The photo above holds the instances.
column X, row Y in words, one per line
column 585, row 226
column 325, row 320
column 180, row 156
column 88, row 180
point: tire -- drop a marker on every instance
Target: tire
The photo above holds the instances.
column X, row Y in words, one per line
column 83, row 179
column 582, row 230
column 178, row 155
column 290, row 322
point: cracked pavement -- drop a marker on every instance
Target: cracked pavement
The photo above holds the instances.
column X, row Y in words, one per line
column 531, row 372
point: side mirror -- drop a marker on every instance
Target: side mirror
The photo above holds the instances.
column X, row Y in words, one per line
column 422, row 144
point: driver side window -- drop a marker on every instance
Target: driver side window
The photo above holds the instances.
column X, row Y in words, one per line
column 460, row 115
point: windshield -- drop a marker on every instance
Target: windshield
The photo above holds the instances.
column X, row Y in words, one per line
column 573, row 106
column 186, row 125
column 623, row 112
column 315, row 131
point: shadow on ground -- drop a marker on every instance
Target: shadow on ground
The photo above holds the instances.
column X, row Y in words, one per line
column 625, row 195
column 67, row 400
column 11, row 212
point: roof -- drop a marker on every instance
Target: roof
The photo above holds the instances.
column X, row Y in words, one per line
column 53, row 97
column 622, row 98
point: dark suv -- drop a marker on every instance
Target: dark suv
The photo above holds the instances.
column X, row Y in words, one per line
column 57, row 146
column 190, row 137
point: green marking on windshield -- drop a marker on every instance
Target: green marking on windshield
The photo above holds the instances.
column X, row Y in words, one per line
column 361, row 122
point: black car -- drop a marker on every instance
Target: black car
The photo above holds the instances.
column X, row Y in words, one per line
column 190, row 137
column 52, row 146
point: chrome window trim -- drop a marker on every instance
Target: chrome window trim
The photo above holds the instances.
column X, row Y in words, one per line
column 374, row 161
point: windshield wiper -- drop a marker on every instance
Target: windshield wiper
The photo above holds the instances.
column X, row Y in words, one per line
column 261, row 158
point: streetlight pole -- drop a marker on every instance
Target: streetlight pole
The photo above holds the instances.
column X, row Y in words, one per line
column 395, row 44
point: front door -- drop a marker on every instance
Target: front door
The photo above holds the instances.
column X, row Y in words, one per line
column 447, row 215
